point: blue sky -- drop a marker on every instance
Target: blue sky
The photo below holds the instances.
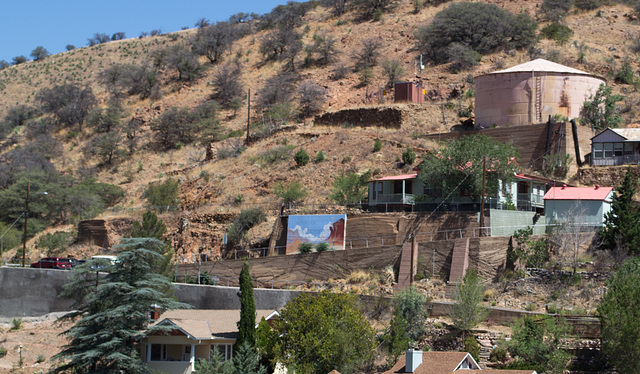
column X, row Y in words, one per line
column 26, row 24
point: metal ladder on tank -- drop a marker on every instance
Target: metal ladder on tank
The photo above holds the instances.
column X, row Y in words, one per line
column 538, row 102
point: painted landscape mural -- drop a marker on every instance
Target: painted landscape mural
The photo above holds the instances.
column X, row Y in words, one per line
column 314, row 229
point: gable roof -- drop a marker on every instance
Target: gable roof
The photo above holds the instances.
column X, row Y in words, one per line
column 578, row 193
column 203, row 324
column 432, row 363
column 629, row 134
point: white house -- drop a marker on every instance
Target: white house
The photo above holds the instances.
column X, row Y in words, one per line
column 615, row 147
column 582, row 205
column 408, row 191
column 194, row 334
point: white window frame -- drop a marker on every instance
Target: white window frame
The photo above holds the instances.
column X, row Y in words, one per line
column 228, row 350
column 598, row 150
column 163, row 352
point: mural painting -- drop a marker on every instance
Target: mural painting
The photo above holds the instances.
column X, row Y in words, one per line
column 314, row 229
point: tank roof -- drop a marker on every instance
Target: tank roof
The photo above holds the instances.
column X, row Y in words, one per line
column 542, row 65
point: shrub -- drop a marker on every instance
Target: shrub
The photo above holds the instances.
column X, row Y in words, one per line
column 3, row 352
column 301, row 157
column 162, row 194
column 292, row 192
column 557, row 31
column 408, row 156
column 498, row 354
column 484, row 28
column 312, row 97
column 367, row 55
column 462, row 57
column 626, row 75
column 16, row 324
column 305, row 247
column 243, row 223
column 393, row 70
column 321, row 156
column 349, row 188
column 40, row 359
column 556, row 10
column 471, row 345
column 377, row 145
column 276, row 154
column 587, row 4
column 57, row 241
column 321, row 247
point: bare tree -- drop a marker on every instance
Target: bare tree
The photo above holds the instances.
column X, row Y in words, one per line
column 367, row 56
column 312, row 97
column 70, row 103
column 228, row 88
column 571, row 231
column 213, row 41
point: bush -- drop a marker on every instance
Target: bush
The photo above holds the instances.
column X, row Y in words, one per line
column 160, row 195
column 408, row 156
column 290, row 193
column 587, row 4
column 484, row 28
column 40, row 359
column 312, row 98
column 305, row 247
column 276, row 154
column 626, row 75
column 301, row 157
column 556, row 10
column 498, row 354
column 243, row 223
column 462, row 57
column 377, row 145
column 471, row 345
column 55, row 242
column 393, row 70
column 349, row 188
column 321, row 156
column 557, row 31
column 321, row 247
column 16, row 324
column 367, row 56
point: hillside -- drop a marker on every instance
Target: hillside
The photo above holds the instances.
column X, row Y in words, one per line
column 226, row 184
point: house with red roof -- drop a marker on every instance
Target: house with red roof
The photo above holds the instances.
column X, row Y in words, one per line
column 583, row 205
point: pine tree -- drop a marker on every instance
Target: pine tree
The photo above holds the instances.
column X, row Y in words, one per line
column 247, row 323
column 151, row 227
column 114, row 315
column 622, row 227
column 246, row 360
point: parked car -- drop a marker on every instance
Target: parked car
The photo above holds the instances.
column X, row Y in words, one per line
column 103, row 261
column 53, row 263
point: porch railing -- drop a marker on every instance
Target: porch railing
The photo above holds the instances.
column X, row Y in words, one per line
column 616, row 160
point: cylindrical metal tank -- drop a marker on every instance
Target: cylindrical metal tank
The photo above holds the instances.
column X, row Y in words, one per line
column 531, row 92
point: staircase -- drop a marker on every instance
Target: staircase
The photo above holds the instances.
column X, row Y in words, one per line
column 538, row 102
column 404, row 272
column 459, row 264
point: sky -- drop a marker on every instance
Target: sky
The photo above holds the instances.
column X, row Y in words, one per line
column 27, row 24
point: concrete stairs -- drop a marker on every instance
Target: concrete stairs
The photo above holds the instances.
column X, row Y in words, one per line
column 459, row 264
column 404, row 272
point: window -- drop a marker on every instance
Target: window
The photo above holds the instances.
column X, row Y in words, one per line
column 608, row 150
column 597, row 150
column 628, row 149
column 431, row 191
column 225, row 350
column 617, row 149
column 158, row 352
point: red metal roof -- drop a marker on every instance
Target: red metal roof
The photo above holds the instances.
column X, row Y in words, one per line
column 398, row 177
column 578, row 193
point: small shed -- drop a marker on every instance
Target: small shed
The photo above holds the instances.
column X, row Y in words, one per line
column 409, row 92
column 584, row 205
column 616, row 147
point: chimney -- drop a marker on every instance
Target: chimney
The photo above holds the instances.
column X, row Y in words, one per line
column 414, row 359
column 564, row 186
column 597, row 186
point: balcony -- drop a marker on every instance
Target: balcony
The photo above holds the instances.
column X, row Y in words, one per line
column 617, row 160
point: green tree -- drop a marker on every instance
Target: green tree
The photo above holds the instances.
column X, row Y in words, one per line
column 620, row 318
column 247, row 219
column 290, row 193
column 246, row 359
column 459, row 165
column 467, row 310
column 394, row 71
column 39, row 53
column 325, row 332
column 268, row 343
column 484, row 28
column 377, row 145
column 397, row 337
column 151, row 227
column 408, row 156
column 215, row 365
column 301, row 157
column 161, row 195
column 102, row 341
column 350, row 188
column 410, row 304
column 535, row 343
column 621, row 226
column 247, row 323
column 599, row 111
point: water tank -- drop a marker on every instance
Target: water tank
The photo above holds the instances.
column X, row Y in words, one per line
column 531, row 92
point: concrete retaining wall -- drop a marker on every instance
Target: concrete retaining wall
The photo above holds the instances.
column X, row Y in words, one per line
column 506, row 222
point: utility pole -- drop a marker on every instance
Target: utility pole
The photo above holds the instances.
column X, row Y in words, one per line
column 248, row 113
column 484, row 172
column 26, row 217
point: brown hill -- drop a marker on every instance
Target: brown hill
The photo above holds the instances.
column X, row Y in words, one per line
column 218, row 184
